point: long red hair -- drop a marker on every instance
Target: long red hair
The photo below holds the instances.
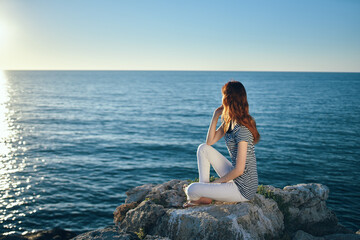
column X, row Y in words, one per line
column 236, row 108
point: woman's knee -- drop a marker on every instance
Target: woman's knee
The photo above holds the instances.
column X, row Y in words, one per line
column 203, row 148
column 192, row 191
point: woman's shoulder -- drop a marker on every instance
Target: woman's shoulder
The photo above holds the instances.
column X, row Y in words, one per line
column 243, row 132
column 240, row 126
column 236, row 126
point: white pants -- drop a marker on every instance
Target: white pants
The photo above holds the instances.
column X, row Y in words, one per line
column 225, row 192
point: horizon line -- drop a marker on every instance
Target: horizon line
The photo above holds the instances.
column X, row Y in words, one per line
column 144, row 70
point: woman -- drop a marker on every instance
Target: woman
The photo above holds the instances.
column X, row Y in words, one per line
column 238, row 180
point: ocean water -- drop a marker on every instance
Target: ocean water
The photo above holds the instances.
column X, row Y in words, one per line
column 73, row 142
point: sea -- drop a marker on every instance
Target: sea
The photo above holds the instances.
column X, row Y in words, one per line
column 73, row 142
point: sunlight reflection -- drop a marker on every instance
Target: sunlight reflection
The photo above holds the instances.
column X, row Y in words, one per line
column 5, row 131
column 15, row 182
column 5, row 135
column 8, row 162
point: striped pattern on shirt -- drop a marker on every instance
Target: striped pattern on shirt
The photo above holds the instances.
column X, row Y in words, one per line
column 247, row 183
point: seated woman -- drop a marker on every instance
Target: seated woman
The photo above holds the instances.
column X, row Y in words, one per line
column 238, row 180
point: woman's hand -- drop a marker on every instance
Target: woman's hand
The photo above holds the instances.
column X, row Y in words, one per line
column 219, row 110
column 214, row 135
column 217, row 181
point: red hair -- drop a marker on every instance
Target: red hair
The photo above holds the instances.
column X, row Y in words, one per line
column 236, row 108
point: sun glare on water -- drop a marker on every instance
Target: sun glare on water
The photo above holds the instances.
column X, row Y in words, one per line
column 10, row 185
column 4, row 126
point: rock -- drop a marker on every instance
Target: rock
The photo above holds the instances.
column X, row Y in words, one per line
column 108, row 233
column 120, row 212
column 144, row 217
column 304, row 208
column 342, row 236
column 155, row 237
column 12, row 237
column 301, row 235
column 138, row 194
column 256, row 220
column 168, row 194
column 294, row 212
column 150, row 212
column 158, row 214
column 53, row 234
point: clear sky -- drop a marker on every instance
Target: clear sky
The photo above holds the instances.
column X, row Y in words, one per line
column 259, row 35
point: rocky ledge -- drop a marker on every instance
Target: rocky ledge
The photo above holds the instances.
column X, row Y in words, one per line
column 294, row 212
column 53, row 234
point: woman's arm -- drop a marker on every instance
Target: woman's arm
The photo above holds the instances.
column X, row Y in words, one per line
column 240, row 164
column 212, row 135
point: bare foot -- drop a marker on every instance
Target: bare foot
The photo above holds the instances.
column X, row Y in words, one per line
column 204, row 200
column 190, row 204
column 201, row 201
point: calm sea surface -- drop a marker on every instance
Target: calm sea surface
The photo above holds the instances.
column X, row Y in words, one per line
column 73, row 142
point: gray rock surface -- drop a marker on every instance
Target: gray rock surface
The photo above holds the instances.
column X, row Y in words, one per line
column 304, row 208
column 112, row 233
column 144, row 216
column 138, row 193
column 342, row 236
column 294, row 212
column 169, row 194
column 56, row 233
column 155, row 237
column 108, row 233
column 161, row 214
column 301, row 235
column 256, row 220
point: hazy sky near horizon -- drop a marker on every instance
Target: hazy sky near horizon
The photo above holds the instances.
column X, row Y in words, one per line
column 308, row 35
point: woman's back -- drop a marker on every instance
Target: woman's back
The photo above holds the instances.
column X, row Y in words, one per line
column 248, row 181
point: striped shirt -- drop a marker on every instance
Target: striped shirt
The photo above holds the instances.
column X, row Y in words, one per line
column 247, row 183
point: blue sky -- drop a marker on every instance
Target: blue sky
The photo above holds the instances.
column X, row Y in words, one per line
column 307, row 35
